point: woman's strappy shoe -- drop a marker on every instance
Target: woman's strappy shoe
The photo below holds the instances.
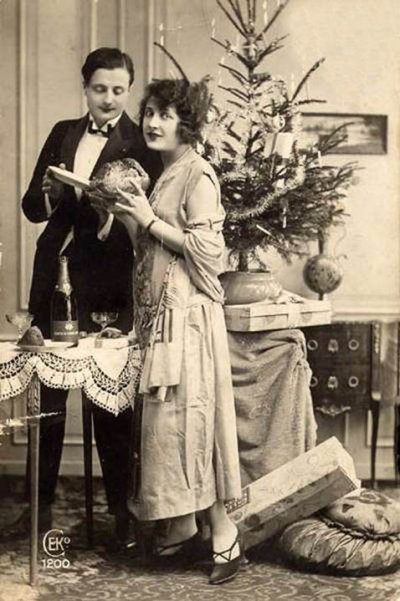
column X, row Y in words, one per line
column 222, row 572
column 185, row 551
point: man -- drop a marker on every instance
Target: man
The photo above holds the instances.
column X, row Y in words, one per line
column 100, row 261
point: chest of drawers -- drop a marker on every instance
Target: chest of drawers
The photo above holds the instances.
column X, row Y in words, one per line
column 344, row 359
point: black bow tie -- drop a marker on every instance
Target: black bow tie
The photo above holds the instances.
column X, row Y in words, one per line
column 92, row 129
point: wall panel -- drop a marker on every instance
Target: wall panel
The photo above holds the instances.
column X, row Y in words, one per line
column 107, row 23
column 9, row 213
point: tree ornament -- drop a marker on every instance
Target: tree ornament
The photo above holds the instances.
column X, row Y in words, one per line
column 323, row 273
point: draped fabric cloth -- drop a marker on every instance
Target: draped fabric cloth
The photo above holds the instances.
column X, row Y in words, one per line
column 189, row 453
column 274, row 410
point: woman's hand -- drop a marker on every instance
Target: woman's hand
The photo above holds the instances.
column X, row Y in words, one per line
column 135, row 204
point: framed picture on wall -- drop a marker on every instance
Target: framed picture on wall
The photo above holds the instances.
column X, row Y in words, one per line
column 366, row 134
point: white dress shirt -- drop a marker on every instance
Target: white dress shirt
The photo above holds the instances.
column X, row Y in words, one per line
column 87, row 153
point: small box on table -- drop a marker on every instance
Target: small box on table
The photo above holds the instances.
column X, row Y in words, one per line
column 256, row 317
column 294, row 491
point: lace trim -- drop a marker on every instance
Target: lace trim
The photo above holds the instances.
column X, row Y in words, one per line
column 112, row 394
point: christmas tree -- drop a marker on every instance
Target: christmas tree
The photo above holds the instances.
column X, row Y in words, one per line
column 276, row 194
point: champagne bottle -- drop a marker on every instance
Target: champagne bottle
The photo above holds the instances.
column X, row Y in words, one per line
column 64, row 312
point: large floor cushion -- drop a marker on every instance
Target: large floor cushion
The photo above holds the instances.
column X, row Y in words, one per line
column 358, row 535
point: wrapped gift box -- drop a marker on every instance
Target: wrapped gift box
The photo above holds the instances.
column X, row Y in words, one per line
column 260, row 316
column 294, row 491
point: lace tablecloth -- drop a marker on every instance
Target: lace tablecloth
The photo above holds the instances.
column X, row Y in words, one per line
column 107, row 375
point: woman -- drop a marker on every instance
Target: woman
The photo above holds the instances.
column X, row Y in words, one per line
column 189, row 455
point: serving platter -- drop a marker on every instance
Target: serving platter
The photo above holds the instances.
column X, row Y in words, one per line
column 70, row 178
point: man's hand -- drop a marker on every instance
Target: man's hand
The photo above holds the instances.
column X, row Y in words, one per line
column 99, row 203
column 103, row 215
column 51, row 186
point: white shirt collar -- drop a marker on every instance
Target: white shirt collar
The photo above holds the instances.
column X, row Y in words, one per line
column 112, row 123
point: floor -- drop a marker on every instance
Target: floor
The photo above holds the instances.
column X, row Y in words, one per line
column 107, row 574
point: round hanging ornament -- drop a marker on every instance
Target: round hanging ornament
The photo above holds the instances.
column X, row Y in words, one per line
column 323, row 273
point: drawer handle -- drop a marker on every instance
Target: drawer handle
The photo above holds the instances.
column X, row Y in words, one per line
column 333, row 410
column 312, row 345
column 353, row 382
column 313, row 382
column 333, row 345
column 354, row 344
column 333, row 383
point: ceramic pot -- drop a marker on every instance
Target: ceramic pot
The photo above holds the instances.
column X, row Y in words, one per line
column 244, row 287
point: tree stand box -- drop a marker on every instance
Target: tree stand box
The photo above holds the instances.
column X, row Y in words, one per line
column 257, row 317
column 294, row 491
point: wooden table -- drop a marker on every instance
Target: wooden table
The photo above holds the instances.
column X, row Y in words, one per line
column 108, row 377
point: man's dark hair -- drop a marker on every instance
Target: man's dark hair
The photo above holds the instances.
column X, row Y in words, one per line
column 107, row 58
column 191, row 101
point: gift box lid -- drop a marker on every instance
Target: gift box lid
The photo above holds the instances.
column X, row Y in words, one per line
column 305, row 470
column 293, row 491
column 270, row 316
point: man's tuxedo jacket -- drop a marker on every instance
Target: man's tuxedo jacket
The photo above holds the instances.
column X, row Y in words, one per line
column 101, row 271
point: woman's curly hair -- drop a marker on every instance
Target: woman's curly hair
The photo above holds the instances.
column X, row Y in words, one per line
column 192, row 102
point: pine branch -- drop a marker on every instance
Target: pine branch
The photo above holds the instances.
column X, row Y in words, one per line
column 310, row 101
column 229, row 148
column 306, row 76
column 249, row 10
column 264, row 107
column 235, row 73
column 273, row 47
column 257, row 93
column 238, row 78
column 328, row 142
column 234, row 134
column 235, row 92
column 279, row 245
column 173, row 60
column 228, row 48
column 231, row 19
column 234, row 103
column 258, row 79
column 274, row 18
column 325, row 145
column 253, row 153
column 224, row 46
column 309, row 164
column 236, row 7
column 254, row 138
column 255, row 211
column 283, row 107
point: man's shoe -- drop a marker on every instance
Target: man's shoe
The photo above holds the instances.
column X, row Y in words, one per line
column 20, row 528
column 123, row 531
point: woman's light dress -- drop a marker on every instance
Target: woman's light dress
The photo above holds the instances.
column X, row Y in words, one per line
column 189, row 453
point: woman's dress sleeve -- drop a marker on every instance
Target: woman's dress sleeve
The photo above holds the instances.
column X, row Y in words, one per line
column 204, row 247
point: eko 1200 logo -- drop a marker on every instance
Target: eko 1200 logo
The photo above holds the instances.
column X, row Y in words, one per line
column 54, row 545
